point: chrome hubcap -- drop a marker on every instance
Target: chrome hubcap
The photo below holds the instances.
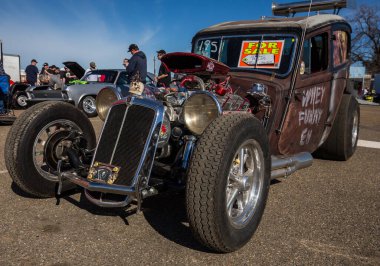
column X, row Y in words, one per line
column 355, row 128
column 21, row 100
column 89, row 105
column 41, row 143
column 245, row 183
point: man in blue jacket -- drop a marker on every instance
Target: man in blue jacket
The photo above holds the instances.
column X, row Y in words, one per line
column 137, row 64
column 32, row 72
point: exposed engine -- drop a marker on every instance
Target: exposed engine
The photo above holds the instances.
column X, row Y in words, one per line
column 194, row 77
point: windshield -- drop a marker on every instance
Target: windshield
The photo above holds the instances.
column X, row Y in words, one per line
column 101, row 76
column 267, row 53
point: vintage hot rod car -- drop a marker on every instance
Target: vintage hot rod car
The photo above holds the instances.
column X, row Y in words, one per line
column 258, row 98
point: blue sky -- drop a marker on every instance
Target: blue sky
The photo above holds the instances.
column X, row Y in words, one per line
column 101, row 30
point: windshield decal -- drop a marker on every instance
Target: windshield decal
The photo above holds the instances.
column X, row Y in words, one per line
column 208, row 48
column 268, row 56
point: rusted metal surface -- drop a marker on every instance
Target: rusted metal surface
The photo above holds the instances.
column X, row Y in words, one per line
column 316, row 98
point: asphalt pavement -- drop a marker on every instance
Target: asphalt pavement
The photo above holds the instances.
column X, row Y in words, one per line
column 327, row 214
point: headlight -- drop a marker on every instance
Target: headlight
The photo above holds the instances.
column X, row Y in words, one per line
column 199, row 111
column 104, row 102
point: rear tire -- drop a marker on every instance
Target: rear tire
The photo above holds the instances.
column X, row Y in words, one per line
column 228, row 182
column 30, row 140
column 88, row 106
column 342, row 141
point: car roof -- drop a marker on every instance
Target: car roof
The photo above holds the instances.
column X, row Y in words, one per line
column 296, row 23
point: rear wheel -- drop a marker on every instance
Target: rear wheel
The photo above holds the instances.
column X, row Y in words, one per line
column 228, row 182
column 342, row 141
column 88, row 106
column 36, row 142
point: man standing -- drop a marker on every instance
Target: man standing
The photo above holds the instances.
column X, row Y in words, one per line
column 44, row 75
column 163, row 78
column 137, row 64
column 92, row 68
column 32, row 72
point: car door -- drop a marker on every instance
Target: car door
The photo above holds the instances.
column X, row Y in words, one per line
column 45, row 92
column 308, row 110
column 340, row 43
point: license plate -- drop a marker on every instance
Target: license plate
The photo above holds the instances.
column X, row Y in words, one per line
column 104, row 173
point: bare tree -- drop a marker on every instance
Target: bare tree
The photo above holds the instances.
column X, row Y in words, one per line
column 366, row 37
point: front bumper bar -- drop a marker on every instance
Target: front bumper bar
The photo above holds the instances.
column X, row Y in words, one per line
column 99, row 187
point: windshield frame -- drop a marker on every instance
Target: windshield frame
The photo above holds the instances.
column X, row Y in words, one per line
column 266, row 34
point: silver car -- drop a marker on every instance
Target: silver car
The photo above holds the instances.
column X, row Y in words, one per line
column 82, row 93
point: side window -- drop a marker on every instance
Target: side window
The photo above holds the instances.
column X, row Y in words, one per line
column 315, row 53
column 340, row 45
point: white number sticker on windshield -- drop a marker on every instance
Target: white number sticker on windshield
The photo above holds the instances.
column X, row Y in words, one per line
column 209, row 48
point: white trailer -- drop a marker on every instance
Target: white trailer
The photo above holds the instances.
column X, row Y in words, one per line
column 11, row 64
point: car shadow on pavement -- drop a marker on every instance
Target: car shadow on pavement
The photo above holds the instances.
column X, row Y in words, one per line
column 166, row 213
column 84, row 204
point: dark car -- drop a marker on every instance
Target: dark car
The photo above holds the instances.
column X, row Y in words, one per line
column 17, row 94
column 83, row 92
column 258, row 98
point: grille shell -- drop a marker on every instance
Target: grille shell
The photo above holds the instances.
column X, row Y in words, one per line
column 125, row 137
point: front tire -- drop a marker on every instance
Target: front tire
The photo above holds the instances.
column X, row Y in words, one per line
column 228, row 182
column 88, row 106
column 34, row 143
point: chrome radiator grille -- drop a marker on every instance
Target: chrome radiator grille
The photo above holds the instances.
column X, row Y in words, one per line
column 125, row 134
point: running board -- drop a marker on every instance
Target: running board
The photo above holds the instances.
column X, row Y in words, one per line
column 283, row 166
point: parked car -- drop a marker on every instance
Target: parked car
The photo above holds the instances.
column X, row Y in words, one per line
column 18, row 95
column 82, row 93
column 258, row 98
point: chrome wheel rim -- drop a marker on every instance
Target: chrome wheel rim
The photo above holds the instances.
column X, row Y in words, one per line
column 40, row 145
column 245, row 183
column 355, row 128
column 21, row 100
column 89, row 105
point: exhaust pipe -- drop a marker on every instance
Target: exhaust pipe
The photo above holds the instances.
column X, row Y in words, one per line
column 285, row 166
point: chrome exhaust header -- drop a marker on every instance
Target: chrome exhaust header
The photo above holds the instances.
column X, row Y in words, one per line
column 303, row 6
column 285, row 166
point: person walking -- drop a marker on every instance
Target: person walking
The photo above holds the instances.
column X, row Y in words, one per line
column 32, row 72
column 163, row 78
column 137, row 64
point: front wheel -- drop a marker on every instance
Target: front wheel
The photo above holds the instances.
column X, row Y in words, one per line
column 228, row 182
column 88, row 106
column 36, row 143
